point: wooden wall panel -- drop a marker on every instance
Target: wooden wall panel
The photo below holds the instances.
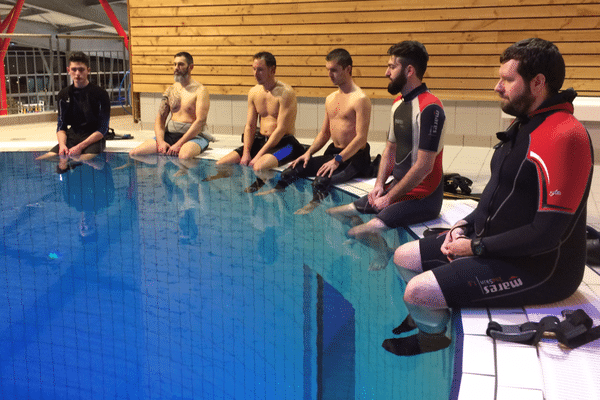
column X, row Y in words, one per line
column 464, row 40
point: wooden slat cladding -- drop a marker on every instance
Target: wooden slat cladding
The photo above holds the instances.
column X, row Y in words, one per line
column 293, row 15
column 464, row 40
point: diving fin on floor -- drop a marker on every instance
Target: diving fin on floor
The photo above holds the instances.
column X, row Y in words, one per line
column 574, row 331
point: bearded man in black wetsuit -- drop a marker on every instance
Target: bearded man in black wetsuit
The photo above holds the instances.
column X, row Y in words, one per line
column 525, row 243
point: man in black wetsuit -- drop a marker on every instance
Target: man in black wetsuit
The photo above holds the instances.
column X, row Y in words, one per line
column 525, row 242
column 83, row 114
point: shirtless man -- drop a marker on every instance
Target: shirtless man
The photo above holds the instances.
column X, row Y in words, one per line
column 187, row 101
column 346, row 123
column 274, row 102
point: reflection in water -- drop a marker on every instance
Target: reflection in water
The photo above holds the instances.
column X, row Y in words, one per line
column 89, row 188
column 331, row 353
column 193, row 289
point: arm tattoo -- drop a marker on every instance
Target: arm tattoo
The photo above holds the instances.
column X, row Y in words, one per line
column 164, row 106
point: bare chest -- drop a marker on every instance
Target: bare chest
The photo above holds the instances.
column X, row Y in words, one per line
column 341, row 108
column 182, row 99
column 267, row 105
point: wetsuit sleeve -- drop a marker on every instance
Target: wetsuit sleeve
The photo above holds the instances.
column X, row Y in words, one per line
column 432, row 124
column 541, row 235
column 103, row 111
column 63, row 106
column 470, row 219
column 564, row 168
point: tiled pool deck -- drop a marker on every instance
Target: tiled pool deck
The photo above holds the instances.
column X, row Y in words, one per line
column 491, row 370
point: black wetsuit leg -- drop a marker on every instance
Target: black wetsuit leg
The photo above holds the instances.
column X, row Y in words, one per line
column 73, row 139
column 494, row 282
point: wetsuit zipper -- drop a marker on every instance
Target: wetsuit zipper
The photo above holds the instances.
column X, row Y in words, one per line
column 493, row 197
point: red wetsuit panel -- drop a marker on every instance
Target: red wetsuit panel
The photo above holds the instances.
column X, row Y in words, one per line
column 558, row 155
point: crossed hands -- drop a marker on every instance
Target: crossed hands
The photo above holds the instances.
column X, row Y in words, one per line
column 73, row 151
column 378, row 199
column 164, row 148
column 456, row 244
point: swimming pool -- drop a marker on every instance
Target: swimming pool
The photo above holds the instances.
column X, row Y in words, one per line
column 145, row 282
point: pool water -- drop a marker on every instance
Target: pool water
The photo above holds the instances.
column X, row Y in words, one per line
column 135, row 280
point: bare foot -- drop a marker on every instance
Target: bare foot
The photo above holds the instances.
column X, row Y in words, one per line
column 127, row 164
column 349, row 220
column 381, row 260
column 307, row 209
column 258, row 183
column 181, row 172
column 218, row 175
column 270, row 191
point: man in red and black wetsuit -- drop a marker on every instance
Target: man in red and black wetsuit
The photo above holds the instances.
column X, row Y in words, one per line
column 525, row 242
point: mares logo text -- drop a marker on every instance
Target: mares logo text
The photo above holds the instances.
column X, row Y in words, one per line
column 490, row 286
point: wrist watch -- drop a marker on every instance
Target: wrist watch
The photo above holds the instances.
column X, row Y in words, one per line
column 338, row 158
column 477, row 247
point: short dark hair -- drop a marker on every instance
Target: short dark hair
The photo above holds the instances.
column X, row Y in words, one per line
column 340, row 56
column 412, row 53
column 537, row 56
column 188, row 57
column 79, row 57
column 268, row 57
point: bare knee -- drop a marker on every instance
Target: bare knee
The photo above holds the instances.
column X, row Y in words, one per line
column 423, row 290
column 408, row 256
column 267, row 161
column 416, row 292
column 134, row 151
column 186, row 155
column 189, row 151
column 147, row 147
column 400, row 254
column 140, row 151
column 231, row 158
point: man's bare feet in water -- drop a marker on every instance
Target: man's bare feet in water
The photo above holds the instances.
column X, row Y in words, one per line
column 381, row 260
column 307, row 209
column 371, row 235
column 127, row 164
column 270, row 191
column 258, row 183
column 345, row 218
column 221, row 173
column 181, row 172
column 65, row 164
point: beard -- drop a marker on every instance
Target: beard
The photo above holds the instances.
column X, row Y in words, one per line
column 395, row 86
column 520, row 105
column 179, row 77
